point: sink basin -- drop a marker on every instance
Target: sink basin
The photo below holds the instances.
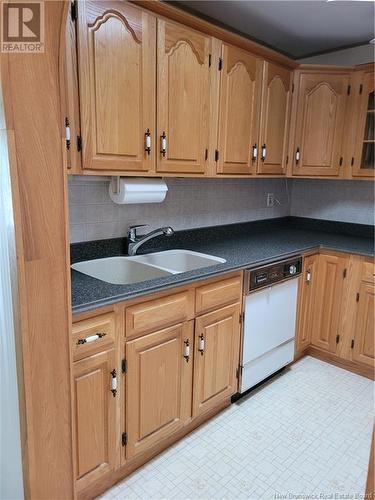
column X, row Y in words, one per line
column 119, row 270
column 126, row 270
column 179, row 261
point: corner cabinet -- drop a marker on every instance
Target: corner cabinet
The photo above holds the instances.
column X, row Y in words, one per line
column 183, row 99
column 275, row 119
column 239, row 107
column 319, row 116
column 117, row 78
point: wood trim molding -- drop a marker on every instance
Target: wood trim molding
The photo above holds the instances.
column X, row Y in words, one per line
column 35, row 138
column 171, row 12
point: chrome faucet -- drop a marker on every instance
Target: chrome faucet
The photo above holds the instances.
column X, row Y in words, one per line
column 134, row 242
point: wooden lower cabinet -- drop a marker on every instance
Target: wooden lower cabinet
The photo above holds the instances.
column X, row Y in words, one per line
column 332, row 270
column 158, row 386
column 95, row 417
column 363, row 342
column 216, row 355
column 306, row 302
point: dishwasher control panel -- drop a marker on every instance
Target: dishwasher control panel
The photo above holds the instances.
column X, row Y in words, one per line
column 272, row 273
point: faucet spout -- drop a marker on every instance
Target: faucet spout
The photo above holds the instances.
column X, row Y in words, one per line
column 134, row 243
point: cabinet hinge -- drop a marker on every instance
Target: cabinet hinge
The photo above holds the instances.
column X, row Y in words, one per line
column 206, row 154
column 73, row 10
column 292, row 88
column 352, row 344
column 349, row 89
column 357, row 297
column 79, row 143
column 352, row 161
column 238, row 372
column 220, row 64
column 337, row 339
column 287, row 160
column 360, row 89
column 124, row 439
column 67, row 133
column 124, row 366
column 209, row 60
column 341, row 160
column 216, row 155
column 242, row 317
column 345, row 272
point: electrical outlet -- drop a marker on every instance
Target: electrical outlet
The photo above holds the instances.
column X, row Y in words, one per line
column 270, row 199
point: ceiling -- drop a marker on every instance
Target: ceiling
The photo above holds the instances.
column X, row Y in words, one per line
column 298, row 28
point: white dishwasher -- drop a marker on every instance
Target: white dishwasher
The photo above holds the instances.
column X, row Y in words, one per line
column 270, row 320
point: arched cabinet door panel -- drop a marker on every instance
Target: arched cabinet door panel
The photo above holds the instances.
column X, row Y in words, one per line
column 117, row 59
column 240, row 91
column 274, row 128
column 320, row 127
column 183, row 99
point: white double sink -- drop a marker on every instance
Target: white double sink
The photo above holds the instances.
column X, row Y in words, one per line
column 127, row 270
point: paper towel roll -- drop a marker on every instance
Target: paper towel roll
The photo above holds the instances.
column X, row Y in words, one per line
column 128, row 190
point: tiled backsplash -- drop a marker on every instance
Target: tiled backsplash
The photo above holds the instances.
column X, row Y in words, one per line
column 190, row 203
column 347, row 201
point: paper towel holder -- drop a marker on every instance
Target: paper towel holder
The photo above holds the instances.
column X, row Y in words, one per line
column 133, row 190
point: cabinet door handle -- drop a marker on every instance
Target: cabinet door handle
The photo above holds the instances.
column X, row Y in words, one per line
column 201, row 344
column 187, row 350
column 148, row 141
column 91, row 338
column 114, row 382
column 264, row 151
column 298, row 155
column 254, row 155
column 163, row 144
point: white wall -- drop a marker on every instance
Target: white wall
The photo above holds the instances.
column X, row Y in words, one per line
column 347, row 57
column 11, row 481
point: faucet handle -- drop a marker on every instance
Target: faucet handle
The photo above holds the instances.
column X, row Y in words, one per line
column 132, row 231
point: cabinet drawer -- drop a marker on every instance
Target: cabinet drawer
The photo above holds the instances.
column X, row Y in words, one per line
column 217, row 294
column 154, row 314
column 368, row 272
column 92, row 334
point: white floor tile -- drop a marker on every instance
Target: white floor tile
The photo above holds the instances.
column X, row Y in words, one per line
column 306, row 432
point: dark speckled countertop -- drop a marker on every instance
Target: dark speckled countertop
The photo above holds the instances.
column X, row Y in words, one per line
column 242, row 245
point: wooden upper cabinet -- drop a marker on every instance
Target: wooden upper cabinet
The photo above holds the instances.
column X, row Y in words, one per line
column 363, row 349
column 320, row 124
column 183, row 99
column 117, row 73
column 308, row 287
column 240, row 92
column 275, row 115
column 362, row 160
column 217, row 337
column 95, row 417
column 158, row 386
column 326, row 329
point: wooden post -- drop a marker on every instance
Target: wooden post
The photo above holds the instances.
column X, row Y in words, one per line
column 31, row 90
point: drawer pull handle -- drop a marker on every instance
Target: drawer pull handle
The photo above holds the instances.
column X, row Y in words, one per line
column 91, row 338
column 201, row 344
column 114, row 382
column 187, row 350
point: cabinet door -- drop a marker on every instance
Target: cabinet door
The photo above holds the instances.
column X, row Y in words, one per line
column 183, row 99
column 158, row 386
column 363, row 155
column 363, row 349
column 216, row 357
column 331, row 275
column 275, row 114
column 117, row 59
column 307, row 294
column 240, row 91
column 320, row 113
column 95, row 416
